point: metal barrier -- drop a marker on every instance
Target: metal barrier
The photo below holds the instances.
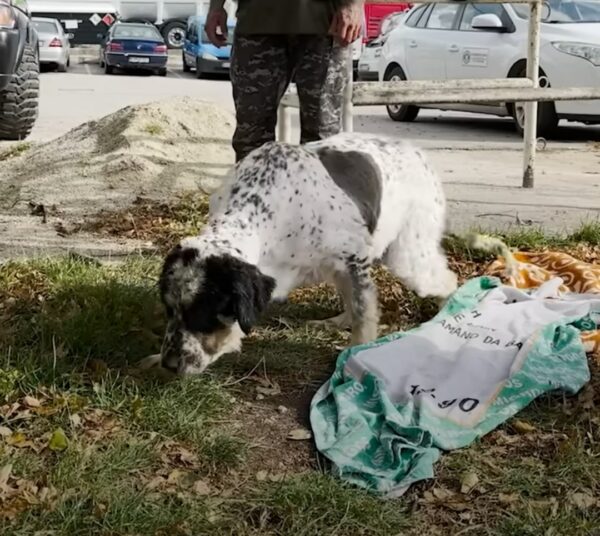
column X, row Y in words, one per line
column 526, row 90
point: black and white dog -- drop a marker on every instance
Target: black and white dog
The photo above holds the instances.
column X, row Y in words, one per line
column 293, row 215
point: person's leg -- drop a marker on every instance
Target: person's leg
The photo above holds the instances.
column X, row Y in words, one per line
column 321, row 71
column 260, row 74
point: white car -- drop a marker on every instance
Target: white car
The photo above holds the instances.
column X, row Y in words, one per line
column 472, row 40
column 54, row 43
column 368, row 62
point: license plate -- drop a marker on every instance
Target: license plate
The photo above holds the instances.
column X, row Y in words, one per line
column 139, row 60
column 226, row 65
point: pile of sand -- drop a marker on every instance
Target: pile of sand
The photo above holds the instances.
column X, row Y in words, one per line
column 155, row 151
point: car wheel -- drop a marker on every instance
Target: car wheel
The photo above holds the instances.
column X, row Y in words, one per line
column 61, row 68
column 186, row 67
column 400, row 112
column 108, row 69
column 19, row 100
column 199, row 73
column 162, row 72
column 174, row 34
column 547, row 120
column 69, row 61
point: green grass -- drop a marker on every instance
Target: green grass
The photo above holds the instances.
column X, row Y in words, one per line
column 71, row 333
column 14, row 150
column 154, row 129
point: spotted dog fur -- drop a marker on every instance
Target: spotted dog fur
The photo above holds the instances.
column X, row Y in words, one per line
column 293, row 215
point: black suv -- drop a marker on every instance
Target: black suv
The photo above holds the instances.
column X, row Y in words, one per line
column 19, row 70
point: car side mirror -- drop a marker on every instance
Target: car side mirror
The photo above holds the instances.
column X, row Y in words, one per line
column 489, row 22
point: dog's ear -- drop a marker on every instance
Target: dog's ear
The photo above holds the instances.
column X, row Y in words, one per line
column 244, row 290
column 251, row 294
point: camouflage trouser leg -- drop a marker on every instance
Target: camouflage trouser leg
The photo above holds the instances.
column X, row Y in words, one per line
column 260, row 74
column 321, row 74
column 262, row 67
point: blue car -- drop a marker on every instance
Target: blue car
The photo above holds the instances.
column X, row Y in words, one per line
column 134, row 46
column 200, row 54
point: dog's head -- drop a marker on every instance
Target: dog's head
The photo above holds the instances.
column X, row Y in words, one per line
column 212, row 302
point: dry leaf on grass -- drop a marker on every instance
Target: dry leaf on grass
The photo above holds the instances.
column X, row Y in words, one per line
column 523, row 427
column 4, row 476
column 508, row 498
column 200, row 487
column 18, row 440
column 5, row 431
column 583, row 501
column 261, row 476
column 58, row 441
column 300, row 434
column 468, row 482
column 31, row 402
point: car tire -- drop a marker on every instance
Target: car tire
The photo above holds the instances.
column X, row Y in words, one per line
column 174, row 34
column 186, row 67
column 405, row 113
column 19, row 100
column 199, row 73
column 108, row 69
column 162, row 72
column 547, row 120
column 61, row 67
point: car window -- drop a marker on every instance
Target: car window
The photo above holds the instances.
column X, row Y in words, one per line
column 564, row 11
column 415, row 15
column 45, row 26
column 442, row 16
column 191, row 32
column 136, row 32
column 472, row 10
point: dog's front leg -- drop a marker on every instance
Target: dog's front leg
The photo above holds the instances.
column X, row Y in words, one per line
column 365, row 309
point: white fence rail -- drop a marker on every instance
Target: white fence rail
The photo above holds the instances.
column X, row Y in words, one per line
column 508, row 90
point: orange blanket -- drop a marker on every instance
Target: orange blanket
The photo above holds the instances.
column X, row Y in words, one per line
column 530, row 270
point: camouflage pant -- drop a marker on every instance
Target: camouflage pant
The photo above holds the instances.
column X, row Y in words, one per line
column 262, row 67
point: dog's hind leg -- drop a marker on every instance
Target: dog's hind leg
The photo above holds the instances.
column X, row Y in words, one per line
column 363, row 303
column 417, row 259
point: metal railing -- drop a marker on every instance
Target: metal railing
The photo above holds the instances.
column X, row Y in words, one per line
column 507, row 90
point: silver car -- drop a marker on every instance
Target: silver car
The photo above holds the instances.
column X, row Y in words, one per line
column 54, row 43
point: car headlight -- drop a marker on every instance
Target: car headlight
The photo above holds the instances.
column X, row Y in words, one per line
column 209, row 57
column 7, row 17
column 581, row 50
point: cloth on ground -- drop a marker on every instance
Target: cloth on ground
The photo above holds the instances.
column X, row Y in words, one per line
column 393, row 405
column 530, row 270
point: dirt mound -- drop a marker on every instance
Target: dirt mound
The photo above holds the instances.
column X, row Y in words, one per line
column 155, row 151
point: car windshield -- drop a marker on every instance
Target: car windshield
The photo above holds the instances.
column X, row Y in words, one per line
column 44, row 26
column 565, row 11
column 136, row 32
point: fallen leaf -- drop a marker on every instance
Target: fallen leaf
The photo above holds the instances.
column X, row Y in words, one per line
column 31, row 402
column 276, row 477
column 261, row 476
column 442, row 494
column 523, row 427
column 468, row 482
column 5, row 431
column 175, row 476
column 271, row 390
column 200, row 487
column 583, row 501
column 300, row 434
column 4, row 475
column 17, row 439
column 155, row 483
column 75, row 420
column 58, row 441
column 508, row 498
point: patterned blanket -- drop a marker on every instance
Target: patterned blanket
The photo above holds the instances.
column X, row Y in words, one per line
column 530, row 270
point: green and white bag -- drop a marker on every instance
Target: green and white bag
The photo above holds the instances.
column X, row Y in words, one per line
column 392, row 406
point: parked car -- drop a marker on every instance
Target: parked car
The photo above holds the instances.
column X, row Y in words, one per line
column 368, row 63
column 200, row 54
column 134, row 46
column 19, row 71
column 479, row 40
column 54, row 43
